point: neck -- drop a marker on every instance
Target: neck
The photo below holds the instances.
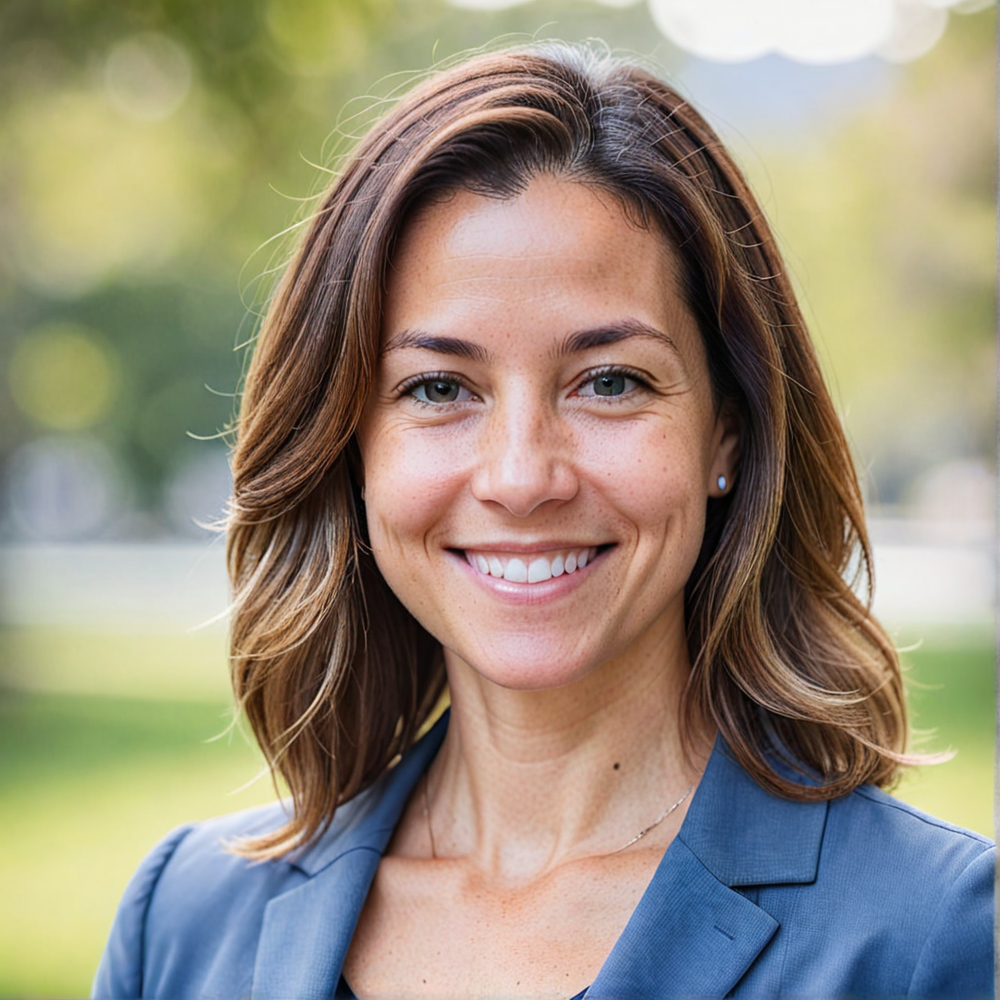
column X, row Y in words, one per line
column 529, row 780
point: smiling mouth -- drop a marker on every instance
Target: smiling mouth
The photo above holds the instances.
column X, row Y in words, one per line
column 534, row 568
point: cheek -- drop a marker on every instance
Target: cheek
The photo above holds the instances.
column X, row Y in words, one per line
column 410, row 480
column 656, row 471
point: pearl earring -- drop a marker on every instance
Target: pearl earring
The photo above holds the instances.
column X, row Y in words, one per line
column 721, row 483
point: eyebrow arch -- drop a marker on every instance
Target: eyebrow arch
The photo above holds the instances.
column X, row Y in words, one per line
column 612, row 333
column 454, row 346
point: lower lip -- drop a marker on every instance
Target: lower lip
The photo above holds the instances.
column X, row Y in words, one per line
column 530, row 593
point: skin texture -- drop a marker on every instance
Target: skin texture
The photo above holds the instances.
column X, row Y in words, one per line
column 491, row 430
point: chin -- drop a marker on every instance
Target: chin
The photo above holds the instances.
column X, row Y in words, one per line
column 525, row 663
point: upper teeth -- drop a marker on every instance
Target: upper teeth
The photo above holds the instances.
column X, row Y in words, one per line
column 533, row 569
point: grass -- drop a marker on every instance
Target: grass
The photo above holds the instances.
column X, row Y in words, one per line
column 951, row 683
column 101, row 757
column 106, row 743
column 181, row 666
column 89, row 783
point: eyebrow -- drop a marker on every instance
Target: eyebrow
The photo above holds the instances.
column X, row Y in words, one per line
column 580, row 340
column 612, row 333
column 454, row 346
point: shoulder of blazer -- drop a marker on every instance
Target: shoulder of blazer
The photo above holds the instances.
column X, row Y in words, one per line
column 190, row 919
column 932, row 851
column 902, row 899
column 914, row 820
column 191, row 916
column 204, row 862
column 120, row 971
column 183, row 888
column 205, row 883
column 869, row 896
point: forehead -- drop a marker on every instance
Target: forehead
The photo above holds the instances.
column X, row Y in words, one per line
column 558, row 251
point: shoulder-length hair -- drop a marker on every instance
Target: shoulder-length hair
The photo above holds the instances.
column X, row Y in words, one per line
column 333, row 673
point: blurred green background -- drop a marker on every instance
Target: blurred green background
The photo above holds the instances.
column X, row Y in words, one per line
column 150, row 149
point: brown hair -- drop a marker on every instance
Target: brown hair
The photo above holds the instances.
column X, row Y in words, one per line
column 333, row 673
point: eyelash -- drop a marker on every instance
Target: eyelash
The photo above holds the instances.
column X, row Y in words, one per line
column 407, row 387
column 642, row 383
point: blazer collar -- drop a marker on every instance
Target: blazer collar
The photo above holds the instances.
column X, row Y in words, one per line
column 746, row 836
column 369, row 819
column 692, row 933
column 306, row 931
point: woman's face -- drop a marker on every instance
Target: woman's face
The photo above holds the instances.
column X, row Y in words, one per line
column 542, row 437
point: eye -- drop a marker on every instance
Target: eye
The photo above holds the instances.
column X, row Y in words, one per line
column 435, row 391
column 608, row 384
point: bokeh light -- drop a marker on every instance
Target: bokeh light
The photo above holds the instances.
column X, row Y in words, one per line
column 147, row 76
column 115, row 180
column 64, row 376
column 317, row 38
column 815, row 32
column 819, row 31
column 64, row 488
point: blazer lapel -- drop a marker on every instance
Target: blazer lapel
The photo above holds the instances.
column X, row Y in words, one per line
column 690, row 936
column 306, row 931
column 693, row 934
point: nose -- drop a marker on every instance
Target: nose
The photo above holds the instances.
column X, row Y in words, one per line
column 525, row 458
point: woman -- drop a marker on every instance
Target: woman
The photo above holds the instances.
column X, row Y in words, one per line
column 534, row 415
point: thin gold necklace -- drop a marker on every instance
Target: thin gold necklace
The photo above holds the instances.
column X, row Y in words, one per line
column 642, row 833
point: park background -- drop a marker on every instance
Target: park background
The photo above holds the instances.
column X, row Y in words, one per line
column 149, row 152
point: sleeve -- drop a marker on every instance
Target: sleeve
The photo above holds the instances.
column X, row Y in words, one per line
column 120, row 973
column 957, row 958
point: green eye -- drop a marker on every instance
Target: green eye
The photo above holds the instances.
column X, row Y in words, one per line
column 439, row 390
column 609, row 385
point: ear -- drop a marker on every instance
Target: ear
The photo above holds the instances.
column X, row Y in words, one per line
column 724, row 466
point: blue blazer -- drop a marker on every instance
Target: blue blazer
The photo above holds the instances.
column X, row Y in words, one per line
column 757, row 896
